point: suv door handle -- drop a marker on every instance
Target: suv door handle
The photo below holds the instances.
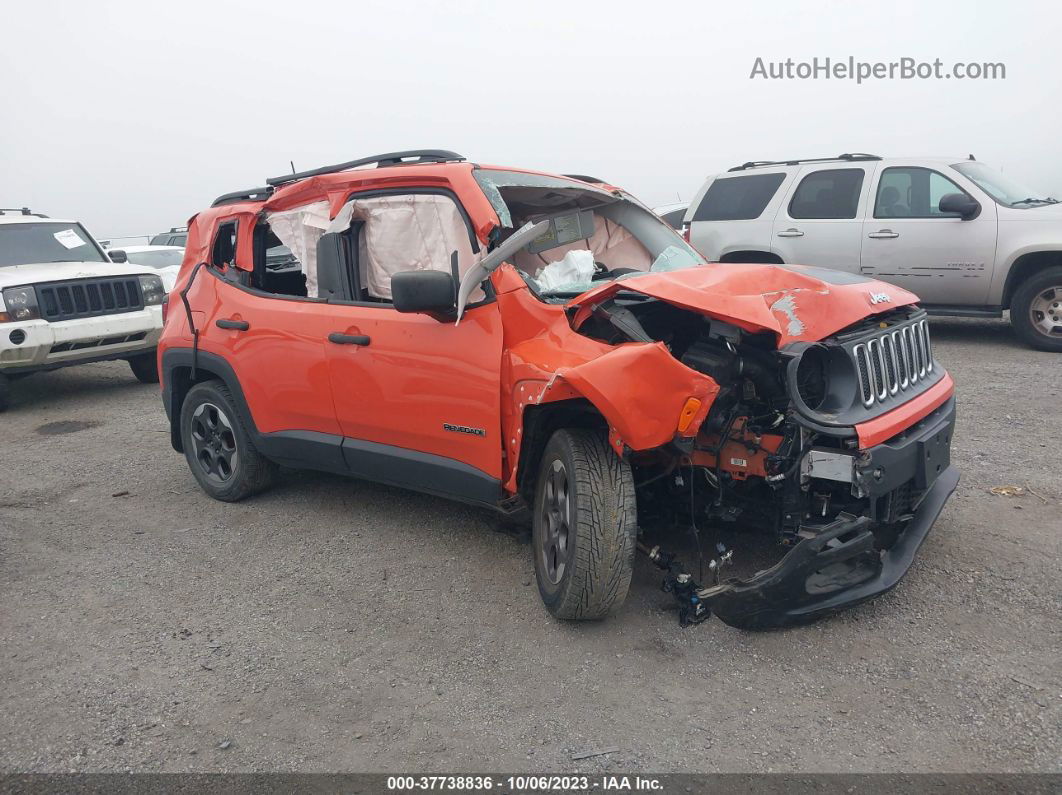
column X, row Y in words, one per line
column 790, row 233
column 348, row 339
column 884, row 234
column 233, row 325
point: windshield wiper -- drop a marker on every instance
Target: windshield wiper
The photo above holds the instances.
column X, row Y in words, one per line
column 1032, row 200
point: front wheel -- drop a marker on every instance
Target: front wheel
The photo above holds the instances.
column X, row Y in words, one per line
column 145, row 367
column 219, row 450
column 1036, row 310
column 585, row 526
column 5, row 392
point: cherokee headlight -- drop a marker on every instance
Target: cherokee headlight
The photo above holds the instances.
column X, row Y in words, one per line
column 152, row 290
column 21, row 303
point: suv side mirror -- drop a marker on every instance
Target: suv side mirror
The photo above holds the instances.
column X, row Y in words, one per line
column 428, row 292
column 959, row 204
column 118, row 255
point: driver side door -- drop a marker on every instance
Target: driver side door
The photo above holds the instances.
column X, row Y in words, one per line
column 417, row 399
column 909, row 242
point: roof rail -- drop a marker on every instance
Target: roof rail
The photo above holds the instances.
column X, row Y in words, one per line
column 389, row 159
column 585, row 178
column 20, row 211
column 850, row 157
column 249, row 195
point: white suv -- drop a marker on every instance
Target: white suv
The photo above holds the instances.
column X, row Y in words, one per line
column 63, row 301
column 966, row 239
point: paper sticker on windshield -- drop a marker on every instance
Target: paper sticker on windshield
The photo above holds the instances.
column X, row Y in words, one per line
column 69, row 238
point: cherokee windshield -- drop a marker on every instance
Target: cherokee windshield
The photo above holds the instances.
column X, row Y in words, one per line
column 593, row 235
column 46, row 241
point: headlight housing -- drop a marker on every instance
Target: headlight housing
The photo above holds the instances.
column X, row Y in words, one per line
column 813, row 377
column 21, row 304
column 152, row 290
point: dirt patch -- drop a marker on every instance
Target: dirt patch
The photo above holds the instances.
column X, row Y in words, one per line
column 65, row 426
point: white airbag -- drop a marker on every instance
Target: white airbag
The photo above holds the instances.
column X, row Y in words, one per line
column 576, row 269
column 299, row 229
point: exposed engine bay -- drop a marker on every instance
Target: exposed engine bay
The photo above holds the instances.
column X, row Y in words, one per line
column 762, row 464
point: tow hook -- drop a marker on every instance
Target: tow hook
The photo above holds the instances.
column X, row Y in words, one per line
column 680, row 583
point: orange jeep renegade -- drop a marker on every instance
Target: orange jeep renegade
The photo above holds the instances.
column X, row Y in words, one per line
column 545, row 345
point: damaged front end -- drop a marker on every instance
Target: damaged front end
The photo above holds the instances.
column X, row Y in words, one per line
column 838, row 446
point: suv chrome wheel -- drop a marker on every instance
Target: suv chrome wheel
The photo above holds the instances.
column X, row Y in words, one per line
column 1045, row 310
column 214, row 442
column 553, row 546
column 1036, row 309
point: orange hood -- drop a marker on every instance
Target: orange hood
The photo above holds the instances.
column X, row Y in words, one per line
column 796, row 302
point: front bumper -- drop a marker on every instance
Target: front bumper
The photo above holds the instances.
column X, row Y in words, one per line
column 842, row 565
column 50, row 345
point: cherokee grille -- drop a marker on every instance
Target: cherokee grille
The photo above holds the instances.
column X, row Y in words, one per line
column 894, row 361
column 89, row 298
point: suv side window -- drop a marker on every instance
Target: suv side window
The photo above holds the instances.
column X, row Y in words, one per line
column 223, row 252
column 830, row 193
column 738, row 198
column 912, row 192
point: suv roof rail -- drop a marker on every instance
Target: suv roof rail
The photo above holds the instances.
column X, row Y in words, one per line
column 20, row 211
column 850, row 157
column 585, row 178
column 251, row 194
column 389, row 159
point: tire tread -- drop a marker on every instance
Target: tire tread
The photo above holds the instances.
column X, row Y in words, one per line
column 605, row 525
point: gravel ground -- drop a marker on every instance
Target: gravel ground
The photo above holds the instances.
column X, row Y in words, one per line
column 337, row 625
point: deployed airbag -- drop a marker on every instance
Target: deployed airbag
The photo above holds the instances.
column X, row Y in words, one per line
column 299, row 229
column 575, row 271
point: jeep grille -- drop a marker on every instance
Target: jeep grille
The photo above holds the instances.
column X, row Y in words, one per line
column 89, row 297
column 893, row 362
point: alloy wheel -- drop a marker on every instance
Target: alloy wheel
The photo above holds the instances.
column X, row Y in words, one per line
column 1045, row 311
column 554, row 544
column 214, row 442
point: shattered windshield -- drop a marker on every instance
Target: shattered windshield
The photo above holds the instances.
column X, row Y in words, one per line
column 592, row 235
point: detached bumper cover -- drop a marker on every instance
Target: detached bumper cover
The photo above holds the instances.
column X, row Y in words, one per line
column 840, row 567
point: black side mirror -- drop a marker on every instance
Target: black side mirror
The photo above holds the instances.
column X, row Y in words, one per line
column 118, row 255
column 429, row 292
column 959, row 204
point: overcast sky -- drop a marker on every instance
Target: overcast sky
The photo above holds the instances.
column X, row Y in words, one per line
column 131, row 116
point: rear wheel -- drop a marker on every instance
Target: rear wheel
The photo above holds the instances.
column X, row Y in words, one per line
column 1036, row 310
column 145, row 367
column 219, row 450
column 585, row 526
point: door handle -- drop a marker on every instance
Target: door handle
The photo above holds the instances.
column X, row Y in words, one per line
column 884, row 234
column 233, row 325
column 348, row 339
column 790, row 233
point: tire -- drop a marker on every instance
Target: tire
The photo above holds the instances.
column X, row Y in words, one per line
column 219, row 450
column 584, row 526
column 5, row 392
column 145, row 367
column 1036, row 310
